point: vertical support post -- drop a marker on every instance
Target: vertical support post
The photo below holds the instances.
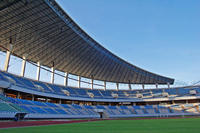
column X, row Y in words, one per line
column 143, row 86
column 23, row 66
column 168, row 85
column 1, row 91
column 8, row 53
column 33, row 97
column 60, row 101
column 66, row 79
column 38, row 71
column 92, row 83
column 117, row 85
column 18, row 95
column 52, row 74
column 156, row 85
column 104, row 85
column 6, row 65
column 129, row 86
column 79, row 81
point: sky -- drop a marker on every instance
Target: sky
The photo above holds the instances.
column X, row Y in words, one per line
column 161, row 36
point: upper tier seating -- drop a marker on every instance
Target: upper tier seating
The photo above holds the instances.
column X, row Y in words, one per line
column 52, row 90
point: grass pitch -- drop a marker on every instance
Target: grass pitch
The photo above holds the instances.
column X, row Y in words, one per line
column 187, row 125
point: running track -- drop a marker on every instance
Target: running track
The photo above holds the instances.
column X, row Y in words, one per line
column 12, row 124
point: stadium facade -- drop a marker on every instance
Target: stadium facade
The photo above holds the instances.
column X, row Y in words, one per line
column 41, row 33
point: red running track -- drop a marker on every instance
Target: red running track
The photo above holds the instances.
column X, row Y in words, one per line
column 12, row 124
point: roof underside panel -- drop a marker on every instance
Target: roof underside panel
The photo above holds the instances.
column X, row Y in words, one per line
column 41, row 29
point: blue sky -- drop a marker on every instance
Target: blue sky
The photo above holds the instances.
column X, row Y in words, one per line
column 162, row 36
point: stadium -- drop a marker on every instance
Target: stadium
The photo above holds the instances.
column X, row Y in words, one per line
column 40, row 35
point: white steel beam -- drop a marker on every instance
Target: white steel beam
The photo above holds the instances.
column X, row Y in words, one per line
column 38, row 71
column 66, row 79
column 23, row 66
column 129, row 86
column 52, row 74
column 104, row 85
column 117, row 85
column 6, row 64
column 156, row 86
column 92, row 83
column 168, row 85
column 143, row 86
column 79, row 81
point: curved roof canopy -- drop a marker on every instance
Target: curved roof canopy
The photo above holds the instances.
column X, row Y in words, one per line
column 41, row 29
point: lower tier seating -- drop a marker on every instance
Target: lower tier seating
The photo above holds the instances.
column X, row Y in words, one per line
column 35, row 109
column 9, row 109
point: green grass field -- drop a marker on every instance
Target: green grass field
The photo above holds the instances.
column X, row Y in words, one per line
column 187, row 125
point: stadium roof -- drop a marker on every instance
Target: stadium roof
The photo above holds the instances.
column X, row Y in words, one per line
column 41, row 29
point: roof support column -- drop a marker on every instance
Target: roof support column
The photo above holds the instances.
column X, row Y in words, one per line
column 1, row 91
column 168, row 85
column 18, row 95
column 104, row 85
column 23, row 66
column 52, row 74
column 79, row 81
column 129, row 85
column 117, row 85
column 8, row 53
column 66, row 79
column 6, row 64
column 143, row 86
column 92, row 83
column 33, row 97
column 156, row 85
column 38, row 71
